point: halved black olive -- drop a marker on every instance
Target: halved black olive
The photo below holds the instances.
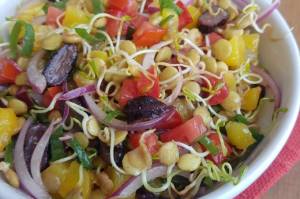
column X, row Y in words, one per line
column 144, row 108
column 208, row 22
column 60, row 65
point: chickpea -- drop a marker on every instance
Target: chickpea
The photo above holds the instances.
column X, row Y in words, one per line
column 167, row 74
column 82, row 139
column 189, row 162
column 168, row 153
column 120, row 136
column 185, row 111
column 230, row 81
column 52, row 42
column 106, row 184
column 92, row 126
column 70, row 38
column 222, row 67
column 194, row 56
column 210, row 63
column 13, row 89
column 18, row 106
column 128, row 46
column 192, row 86
column 195, row 36
column 23, row 62
column 21, row 79
column 12, row 178
column 100, row 23
column 164, row 54
column 232, row 102
column 229, row 33
column 222, row 49
column 204, row 113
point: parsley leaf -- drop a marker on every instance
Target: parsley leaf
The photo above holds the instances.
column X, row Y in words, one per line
column 9, row 154
column 81, row 154
column 170, row 5
column 97, row 6
column 56, row 146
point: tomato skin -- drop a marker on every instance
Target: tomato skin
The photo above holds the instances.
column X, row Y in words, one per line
column 52, row 15
column 147, row 35
column 184, row 18
column 112, row 26
column 172, row 121
column 50, row 94
column 219, row 97
column 186, row 133
column 219, row 158
column 151, row 141
column 146, row 86
column 128, row 7
column 9, row 70
column 213, row 81
column 128, row 91
column 137, row 21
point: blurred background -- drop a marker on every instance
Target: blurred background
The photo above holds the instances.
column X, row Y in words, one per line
column 289, row 186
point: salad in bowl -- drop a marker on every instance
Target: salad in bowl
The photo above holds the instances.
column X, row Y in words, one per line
column 131, row 98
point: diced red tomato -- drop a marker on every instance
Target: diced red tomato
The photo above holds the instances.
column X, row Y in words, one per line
column 50, row 94
column 219, row 97
column 52, row 15
column 9, row 70
column 146, row 86
column 213, row 81
column 128, row 91
column 147, row 35
column 151, row 141
column 129, row 7
column 214, row 37
column 112, row 26
column 219, row 158
column 137, row 21
column 172, row 121
column 185, row 17
column 187, row 133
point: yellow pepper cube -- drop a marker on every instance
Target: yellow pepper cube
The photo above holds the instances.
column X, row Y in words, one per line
column 195, row 14
column 74, row 16
column 251, row 42
column 71, row 180
column 238, row 54
column 99, row 54
column 251, row 98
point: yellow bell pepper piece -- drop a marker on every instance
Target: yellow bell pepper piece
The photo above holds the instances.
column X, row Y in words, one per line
column 251, row 42
column 71, row 181
column 195, row 14
column 9, row 124
column 238, row 54
column 41, row 31
column 117, row 178
column 251, row 98
column 74, row 16
column 239, row 135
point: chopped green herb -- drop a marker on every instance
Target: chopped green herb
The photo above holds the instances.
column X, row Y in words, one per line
column 208, row 182
column 190, row 95
column 217, row 108
column 110, row 115
column 56, row 146
column 45, row 8
column 9, row 154
column 240, row 118
column 92, row 152
column 81, row 154
column 166, row 20
column 97, row 6
column 209, row 145
column 88, row 37
column 256, row 135
column 13, row 38
column 60, row 4
column 28, row 40
column 169, row 4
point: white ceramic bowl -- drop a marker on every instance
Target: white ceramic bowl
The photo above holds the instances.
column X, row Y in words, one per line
column 282, row 60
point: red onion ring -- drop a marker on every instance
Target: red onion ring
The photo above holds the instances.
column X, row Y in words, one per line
column 21, row 169
column 35, row 77
column 37, row 155
column 66, row 108
column 268, row 81
column 266, row 13
column 170, row 99
column 121, row 125
column 134, row 183
column 78, row 92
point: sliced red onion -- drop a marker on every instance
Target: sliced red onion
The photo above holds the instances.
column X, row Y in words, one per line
column 35, row 76
column 187, row 2
column 100, row 115
column 37, row 155
column 134, row 183
column 152, row 8
column 268, row 81
column 21, row 169
column 66, row 108
column 240, row 3
column 78, row 92
column 149, row 57
column 266, row 13
column 170, row 99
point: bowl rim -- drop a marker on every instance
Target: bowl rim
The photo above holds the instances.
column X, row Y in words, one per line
column 267, row 156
